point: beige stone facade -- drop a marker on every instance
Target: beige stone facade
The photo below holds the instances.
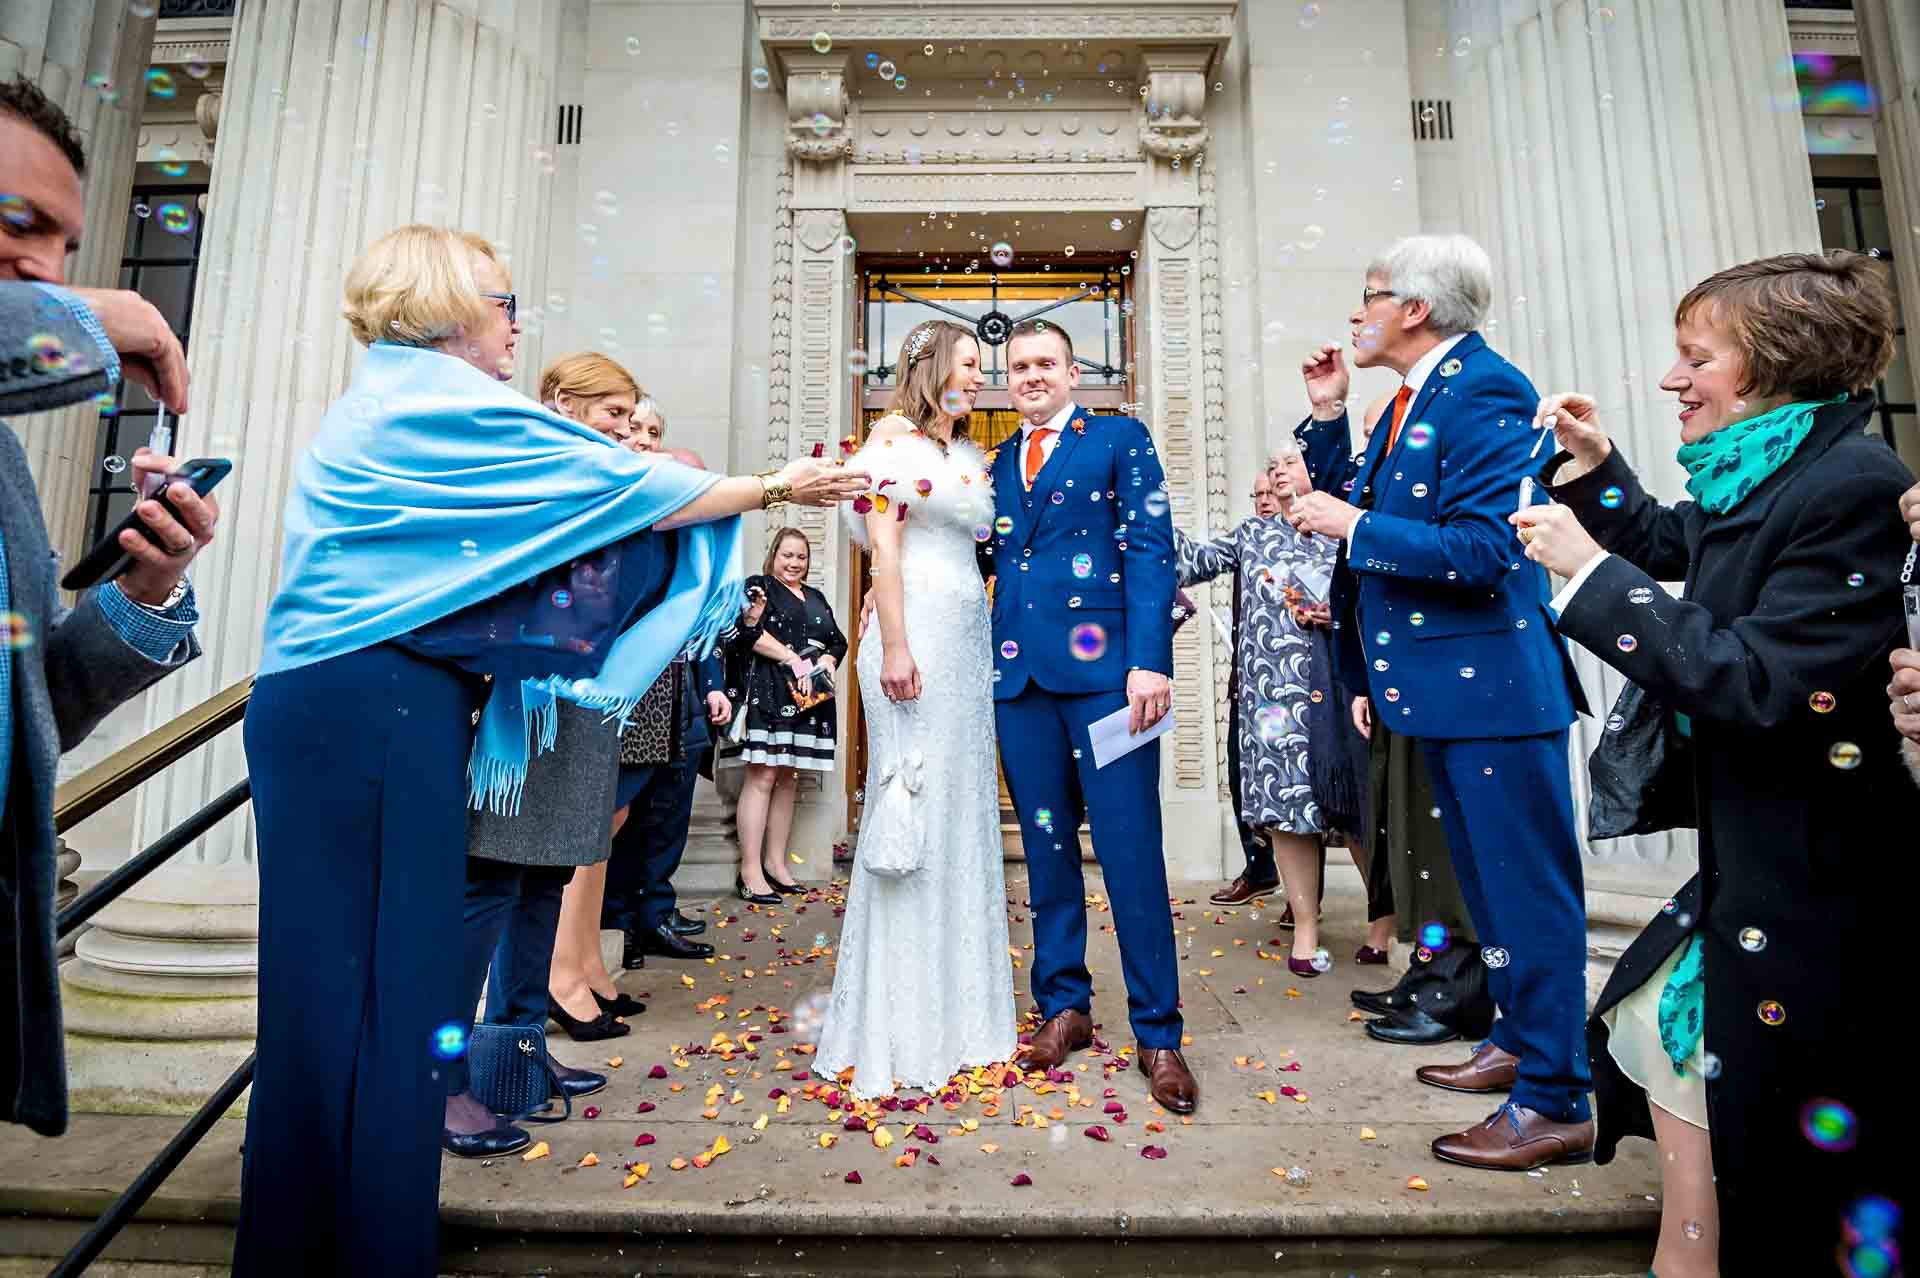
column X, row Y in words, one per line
column 696, row 187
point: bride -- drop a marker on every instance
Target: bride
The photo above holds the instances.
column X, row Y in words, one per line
column 923, row 987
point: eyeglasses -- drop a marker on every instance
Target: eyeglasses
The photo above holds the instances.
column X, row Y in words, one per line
column 513, row 303
column 1368, row 294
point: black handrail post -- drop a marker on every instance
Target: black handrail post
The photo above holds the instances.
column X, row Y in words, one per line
column 122, row 877
column 124, row 1208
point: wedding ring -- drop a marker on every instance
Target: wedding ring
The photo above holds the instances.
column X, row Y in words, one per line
column 1906, row 699
column 1526, row 535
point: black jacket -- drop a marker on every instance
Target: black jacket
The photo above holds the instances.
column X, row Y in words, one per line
column 1778, row 656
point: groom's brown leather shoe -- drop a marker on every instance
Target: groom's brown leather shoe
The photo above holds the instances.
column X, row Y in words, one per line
column 1490, row 1070
column 1514, row 1138
column 1058, row 1039
column 1169, row 1079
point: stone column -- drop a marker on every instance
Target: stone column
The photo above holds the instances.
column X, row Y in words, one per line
column 1611, row 157
column 90, row 57
column 1889, row 33
column 809, row 392
column 1184, row 384
column 341, row 120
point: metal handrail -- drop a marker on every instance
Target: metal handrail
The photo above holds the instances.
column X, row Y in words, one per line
column 79, row 799
column 119, row 773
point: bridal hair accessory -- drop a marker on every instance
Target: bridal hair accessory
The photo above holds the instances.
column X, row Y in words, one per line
column 917, row 344
column 893, row 843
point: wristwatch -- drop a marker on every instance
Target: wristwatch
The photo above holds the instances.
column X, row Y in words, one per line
column 180, row 587
column 777, row 492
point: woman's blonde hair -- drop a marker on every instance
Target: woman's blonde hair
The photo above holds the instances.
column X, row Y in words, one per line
column 926, row 365
column 780, row 539
column 415, row 285
column 586, row 375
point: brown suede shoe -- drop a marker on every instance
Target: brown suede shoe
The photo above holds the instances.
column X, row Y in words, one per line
column 1058, row 1039
column 1517, row 1139
column 1242, row 890
column 1490, row 1070
column 1169, row 1079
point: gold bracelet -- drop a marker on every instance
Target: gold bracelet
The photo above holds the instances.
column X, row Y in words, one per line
column 775, row 491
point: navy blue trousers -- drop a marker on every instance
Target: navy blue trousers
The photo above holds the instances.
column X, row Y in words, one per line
column 1050, row 773
column 1508, row 809
column 512, row 917
column 647, row 851
column 359, row 768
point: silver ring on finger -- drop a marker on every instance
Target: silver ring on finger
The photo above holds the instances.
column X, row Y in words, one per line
column 1906, row 699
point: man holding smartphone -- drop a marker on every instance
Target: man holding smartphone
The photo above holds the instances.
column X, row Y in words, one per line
column 64, row 669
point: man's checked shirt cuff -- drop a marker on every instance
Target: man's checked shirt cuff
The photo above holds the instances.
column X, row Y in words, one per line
column 83, row 316
column 155, row 635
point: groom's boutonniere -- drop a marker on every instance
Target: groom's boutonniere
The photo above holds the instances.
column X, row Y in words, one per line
column 1079, row 425
column 991, row 454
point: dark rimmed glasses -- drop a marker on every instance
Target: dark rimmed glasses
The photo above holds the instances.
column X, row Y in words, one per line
column 512, row 301
column 1368, row 294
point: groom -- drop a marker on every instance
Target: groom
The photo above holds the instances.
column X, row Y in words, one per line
column 1082, row 554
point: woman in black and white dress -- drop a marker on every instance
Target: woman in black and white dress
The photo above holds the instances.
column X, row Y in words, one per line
column 790, row 724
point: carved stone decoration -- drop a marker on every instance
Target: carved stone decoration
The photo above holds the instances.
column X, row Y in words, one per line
column 817, row 109
column 1214, row 419
column 780, row 349
column 1174, row 227
column 997, row 187
column 206, row 113
column 819, row 229
column 1042, row 22
column 1173, row 127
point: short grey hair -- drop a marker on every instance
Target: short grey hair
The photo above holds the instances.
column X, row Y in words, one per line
column 1450, row 273
column 647, row 406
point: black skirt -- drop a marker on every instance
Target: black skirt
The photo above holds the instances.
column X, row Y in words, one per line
column 779, row 731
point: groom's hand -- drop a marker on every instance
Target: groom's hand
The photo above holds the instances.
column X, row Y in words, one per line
column 1149, row 696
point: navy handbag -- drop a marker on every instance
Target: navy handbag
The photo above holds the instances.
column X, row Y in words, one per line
column 510, row 1073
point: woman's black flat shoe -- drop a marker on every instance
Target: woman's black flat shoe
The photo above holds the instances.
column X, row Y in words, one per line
column 786, row 889
column 601, row 1026
column 755, row 898
column 495, row 1142
column 619, row 1005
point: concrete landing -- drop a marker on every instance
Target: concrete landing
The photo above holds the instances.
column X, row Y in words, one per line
column 778, row 1201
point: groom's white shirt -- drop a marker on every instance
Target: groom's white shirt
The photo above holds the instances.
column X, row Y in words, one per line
column 1056, row 424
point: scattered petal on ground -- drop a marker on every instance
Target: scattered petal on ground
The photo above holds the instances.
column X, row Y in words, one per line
column 540, row 1150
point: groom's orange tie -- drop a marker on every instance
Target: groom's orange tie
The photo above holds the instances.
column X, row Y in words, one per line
column 1400, row 402
column 1037, row 451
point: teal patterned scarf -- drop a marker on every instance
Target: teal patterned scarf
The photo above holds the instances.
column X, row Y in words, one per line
column 1734, row 460
column 1683, row 1006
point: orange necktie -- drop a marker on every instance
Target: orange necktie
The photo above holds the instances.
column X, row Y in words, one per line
column 1400, row 403
column 1037, row 452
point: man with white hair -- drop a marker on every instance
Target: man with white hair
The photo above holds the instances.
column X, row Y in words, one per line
column 1443, row 619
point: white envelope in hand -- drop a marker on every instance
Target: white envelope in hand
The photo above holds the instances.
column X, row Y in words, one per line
column 1110, row 738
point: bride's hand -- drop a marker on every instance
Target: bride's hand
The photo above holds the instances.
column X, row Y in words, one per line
column 899, row 676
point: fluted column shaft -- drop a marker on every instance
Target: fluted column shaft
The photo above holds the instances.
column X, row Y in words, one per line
column 90, row 57
column 1890, row 47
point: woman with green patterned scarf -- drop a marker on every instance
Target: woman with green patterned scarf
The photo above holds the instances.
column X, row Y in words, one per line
column 1737, row 1030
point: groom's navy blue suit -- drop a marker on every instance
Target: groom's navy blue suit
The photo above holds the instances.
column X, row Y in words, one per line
column 1444, row 620
column 1084, row 593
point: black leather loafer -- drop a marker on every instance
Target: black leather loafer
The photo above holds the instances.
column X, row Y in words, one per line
column 493, row 1143
column 664, row 942
column 1411, row 1026
column 681, row 925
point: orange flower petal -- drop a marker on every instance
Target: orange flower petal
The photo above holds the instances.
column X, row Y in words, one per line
column 540, row 1150
column 1416, row 1182
column 591, row 1160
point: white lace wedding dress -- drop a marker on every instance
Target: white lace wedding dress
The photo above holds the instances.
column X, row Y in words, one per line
column 923, row 986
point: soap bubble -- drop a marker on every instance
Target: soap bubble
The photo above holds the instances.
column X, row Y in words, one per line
column 1320, row 962
column 953, row 402
column 168, row 161
column 1626, row 643
column 634, row 46
column 562, row 599
column 1611, row 498
column 1001, row 254
column 450, row 1041
column 1829, row 1125
column 1419, row 435
column 822, row 42
column 160, row 83
column 1009, row 650
column 1752, row 940
column 175, row 219
column 808, row 1015
column 1088, row 642
column 1083, row 565
column 1272, row 723
column 47, row 352
column 760, row 77
column 114, row 465
column 887, row 70
column 1844, row 755
column 857, row 363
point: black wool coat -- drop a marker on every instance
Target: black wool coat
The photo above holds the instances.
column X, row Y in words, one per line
column 1778, row 656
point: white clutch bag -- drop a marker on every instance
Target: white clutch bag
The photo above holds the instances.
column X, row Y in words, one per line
column 893, row 836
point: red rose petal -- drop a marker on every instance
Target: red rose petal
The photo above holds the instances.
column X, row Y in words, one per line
column 643, row 1140
column 646, row 1107
column 1097, row 1132
column 1021, row 1181
column 1115, row 1107
column 853, row 1178
column 1152, row 1151
column 658, row 1071
column 922, row 1132
column 591, row 1111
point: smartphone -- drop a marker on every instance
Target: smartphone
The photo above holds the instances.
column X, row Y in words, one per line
column 1911, row 594
column 107, row 560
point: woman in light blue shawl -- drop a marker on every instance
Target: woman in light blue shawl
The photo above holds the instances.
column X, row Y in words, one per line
column 443, row 530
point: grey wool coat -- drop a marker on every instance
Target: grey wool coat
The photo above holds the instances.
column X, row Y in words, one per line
column 72, row 669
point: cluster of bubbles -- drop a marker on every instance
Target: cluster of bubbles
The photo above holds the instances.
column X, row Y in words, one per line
column 1871, row 1238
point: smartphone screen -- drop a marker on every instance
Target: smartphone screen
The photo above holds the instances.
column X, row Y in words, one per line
column 1911, row 595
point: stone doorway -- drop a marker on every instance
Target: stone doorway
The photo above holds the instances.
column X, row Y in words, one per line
column 1088, row 294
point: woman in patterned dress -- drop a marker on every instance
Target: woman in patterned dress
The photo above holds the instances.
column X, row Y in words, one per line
column 1282, row 573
